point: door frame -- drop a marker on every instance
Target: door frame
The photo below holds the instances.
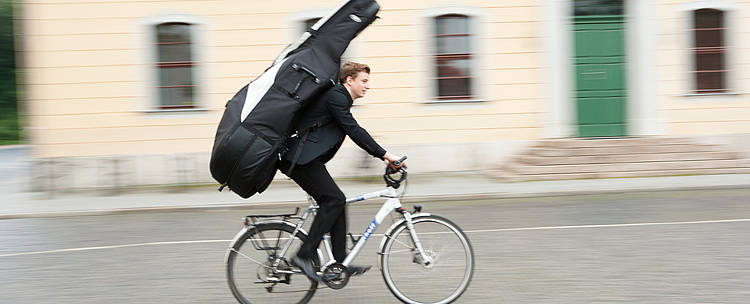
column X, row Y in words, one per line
column 643, row 108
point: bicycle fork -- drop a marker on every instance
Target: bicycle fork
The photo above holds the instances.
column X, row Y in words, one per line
column 426, row 261
column 420, row 256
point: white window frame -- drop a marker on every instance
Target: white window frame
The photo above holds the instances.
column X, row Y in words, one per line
column 149, row 55
column 730, row 53
column 426, row 53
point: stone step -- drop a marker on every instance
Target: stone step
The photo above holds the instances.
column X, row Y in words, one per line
column 624, row 158
column 572, row 143
column 559, row 159
column 627, row 167
column 618, row 150
column 502, row 175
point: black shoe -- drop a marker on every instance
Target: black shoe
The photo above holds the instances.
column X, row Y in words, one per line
column 306, row 265
column 355, row 270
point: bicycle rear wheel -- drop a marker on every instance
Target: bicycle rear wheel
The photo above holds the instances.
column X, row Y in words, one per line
column 250, row 272
column 445, row 278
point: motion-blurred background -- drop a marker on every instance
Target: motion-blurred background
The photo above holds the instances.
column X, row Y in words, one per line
column 117, row 93
column 488, row 98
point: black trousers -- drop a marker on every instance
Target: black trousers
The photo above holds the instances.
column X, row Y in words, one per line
column 314, row 178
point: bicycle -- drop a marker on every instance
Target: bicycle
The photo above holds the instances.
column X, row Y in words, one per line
column 424, row 258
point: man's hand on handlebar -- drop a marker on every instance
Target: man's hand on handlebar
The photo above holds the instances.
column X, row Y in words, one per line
column 395, row 161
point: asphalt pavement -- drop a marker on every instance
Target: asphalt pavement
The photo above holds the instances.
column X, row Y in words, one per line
column 679, row 239
column 637, row 247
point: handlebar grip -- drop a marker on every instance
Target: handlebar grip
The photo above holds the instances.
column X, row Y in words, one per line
column 398, row 162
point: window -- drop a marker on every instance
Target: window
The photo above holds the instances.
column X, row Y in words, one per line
column 709, row 51
column 175, row 66
column 597, row 7
column 453, row 58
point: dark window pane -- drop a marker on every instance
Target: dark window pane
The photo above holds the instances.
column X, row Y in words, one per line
column 710, row 38
column 452, row 24
column 453, row 59
column 709, row 18
column 454, row 67
column 174, row 64
column 597, row 7
column 173, row 32
column 711, row 62
column 182, row 96
column 174, row 53
column 453, row 45
column 710, row 81
column 173, row 42
column 454, row 87
column 709, row 51
column 176, row 76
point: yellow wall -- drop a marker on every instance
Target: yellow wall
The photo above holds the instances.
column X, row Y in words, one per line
column 689, row 115
column 85, row 82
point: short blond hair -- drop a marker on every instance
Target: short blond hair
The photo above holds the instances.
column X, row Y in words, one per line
column 352, row 69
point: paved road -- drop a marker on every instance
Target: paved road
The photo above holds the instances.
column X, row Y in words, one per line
column 665, row 247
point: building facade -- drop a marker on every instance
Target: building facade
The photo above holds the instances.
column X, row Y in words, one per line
column 123, row 93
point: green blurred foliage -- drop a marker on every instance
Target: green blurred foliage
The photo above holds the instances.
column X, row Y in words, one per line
column 9, row 126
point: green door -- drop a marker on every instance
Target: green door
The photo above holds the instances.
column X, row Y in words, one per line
column 600, row 75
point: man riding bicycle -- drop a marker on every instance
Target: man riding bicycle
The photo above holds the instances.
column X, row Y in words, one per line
column 328, row 121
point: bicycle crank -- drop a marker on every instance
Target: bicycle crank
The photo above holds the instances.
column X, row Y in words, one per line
column 336, row 276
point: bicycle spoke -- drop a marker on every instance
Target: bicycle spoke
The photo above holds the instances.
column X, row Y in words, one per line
column 442, row 281
column 399, row 251
column 403, row 243
column 267, row 277
column 249, row 258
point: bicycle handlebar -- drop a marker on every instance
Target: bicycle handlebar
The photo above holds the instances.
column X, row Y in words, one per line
column 398, row 162
column 389, row 170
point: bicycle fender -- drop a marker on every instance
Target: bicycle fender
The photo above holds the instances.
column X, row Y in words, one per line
column 389, row 231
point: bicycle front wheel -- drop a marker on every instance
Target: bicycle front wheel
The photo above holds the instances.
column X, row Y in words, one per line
column 257, row 273
column 441, row 280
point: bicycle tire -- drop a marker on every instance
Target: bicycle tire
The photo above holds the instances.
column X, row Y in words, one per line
column 256, row 277
column 445, row 280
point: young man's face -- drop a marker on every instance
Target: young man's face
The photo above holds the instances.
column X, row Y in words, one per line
column 359, row 84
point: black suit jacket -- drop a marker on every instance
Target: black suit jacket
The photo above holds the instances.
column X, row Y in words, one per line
column 332, row 110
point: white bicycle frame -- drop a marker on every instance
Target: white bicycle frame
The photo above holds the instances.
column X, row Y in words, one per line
column 391, row 204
